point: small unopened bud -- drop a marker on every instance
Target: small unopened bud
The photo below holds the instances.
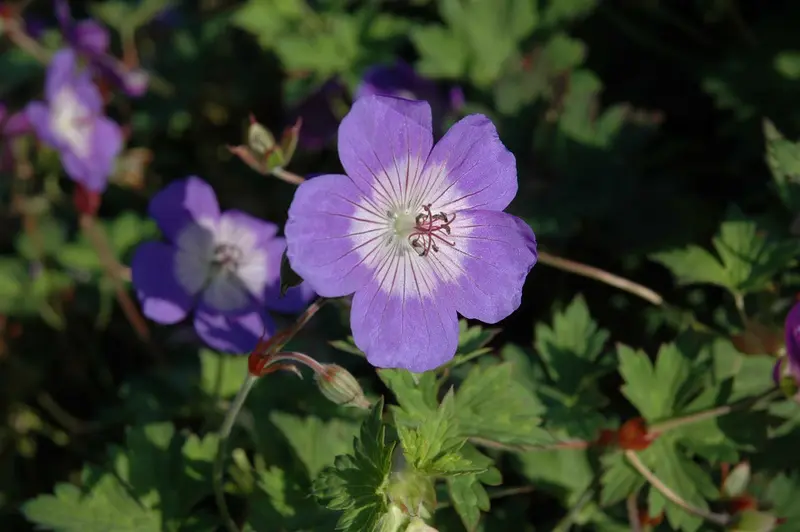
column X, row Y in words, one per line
column 418, row 525
column 86, row 201
column 340, row 387
column 259, row 139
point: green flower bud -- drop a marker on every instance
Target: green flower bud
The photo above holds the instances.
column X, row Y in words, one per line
column 340, row 387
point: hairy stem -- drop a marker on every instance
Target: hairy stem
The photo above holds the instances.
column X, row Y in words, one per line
column 99, row 241
column 286, row 175
column 233, row 412
column 666, row 491
column 219, row 460
column 659, row 428
column 601, row 275
column 633, row 512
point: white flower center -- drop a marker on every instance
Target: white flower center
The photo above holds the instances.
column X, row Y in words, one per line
column 71, row 121
column 223, row 261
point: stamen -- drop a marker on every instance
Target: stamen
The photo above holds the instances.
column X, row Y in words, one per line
column 429, row 229
column 227, row 257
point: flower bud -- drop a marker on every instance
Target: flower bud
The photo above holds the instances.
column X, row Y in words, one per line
column 340, row 387
column 418, row 525
column 259, row 139
column 86, row 201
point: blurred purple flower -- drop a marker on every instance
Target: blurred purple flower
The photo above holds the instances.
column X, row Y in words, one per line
column 402, row 81
column 91, row 40
column 317, row 112
column 415, row 230
column 790, row 365
column 224, row 265
column 72, row 122
column 11, row 125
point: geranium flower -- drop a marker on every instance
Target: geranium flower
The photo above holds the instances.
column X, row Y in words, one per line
column 72, row 122
column 12, row 125
column 91, row 40
column 224, row 265
column 789, row 366
column 317, row 112
column 401, row 80
column 416, row 231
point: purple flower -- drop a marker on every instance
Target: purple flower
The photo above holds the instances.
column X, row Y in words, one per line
column 72, row 122
column 11, row 125
column 400, row 80
column 317, row 112
column 224, row 265
column 790, row 365
column 91, row 40
column 416, row 231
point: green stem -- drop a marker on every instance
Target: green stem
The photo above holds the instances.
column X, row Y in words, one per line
column 666, row 491
column 219, row 460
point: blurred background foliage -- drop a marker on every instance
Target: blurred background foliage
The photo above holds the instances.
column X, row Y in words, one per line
column 638, row 128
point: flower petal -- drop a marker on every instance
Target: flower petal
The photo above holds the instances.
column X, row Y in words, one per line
column 90, row 37
column 233, row 334
column 182, row 202
column 492, row 256
column 233, row 219
column 469, row 168
column 61, row 70
column 226, row 293
column 383, row 145
column 297, row 297
column 39, row 116
column 326, row 232
column 792, row 332
column 399, row 323
column 93, row 171
column 163, row 298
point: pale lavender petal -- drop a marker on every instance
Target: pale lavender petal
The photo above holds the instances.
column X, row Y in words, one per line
column 383, row 144
column 792, row 332
column 263, row 230
column 94, row 171
column 163, row 298
column 184, row 202
column 409, row 329
column 233, row 334
column 39, row 116
column 296, row 298
column 469, row 168
column 320, row 234
column 61, row 71
column 90, row 37
column 493, row 254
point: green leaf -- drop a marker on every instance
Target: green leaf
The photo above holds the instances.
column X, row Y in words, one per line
column 653, row 390
column 754, row 521
column 618, row 479
column 472, row 341
column 693, row 265
column 565, row 472
column 159, row 476
column 783, row 158
column 127, row 230
column 748, row 259
column 482, row 35
column 493, row 405
column 433, row 447
column 442, row 54
column 683, row 476
column 50, row 234
column 736, row 482
column 316, row 442
column 469, row 498
column 558, row 12
column 107, row 506
column 356, row 484
column 221, row 375
column 415, row 392
column 570, row 347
